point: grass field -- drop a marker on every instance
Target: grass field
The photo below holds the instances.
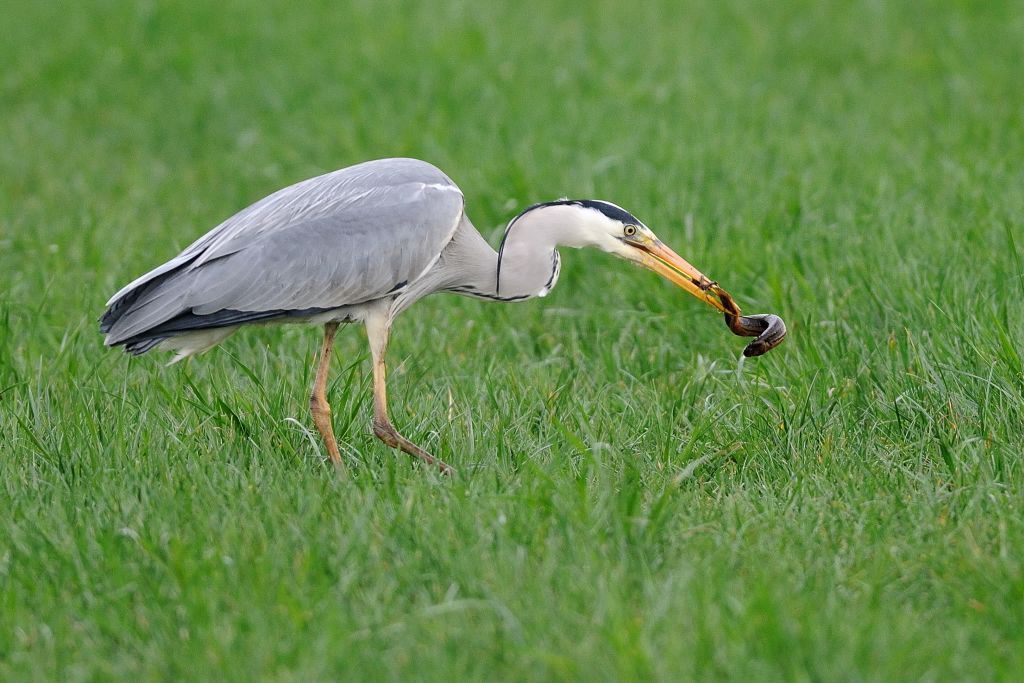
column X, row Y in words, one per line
column 634, row 500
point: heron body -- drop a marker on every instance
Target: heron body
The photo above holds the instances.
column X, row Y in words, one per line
column 362, row 244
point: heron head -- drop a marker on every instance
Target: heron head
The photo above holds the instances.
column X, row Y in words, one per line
column 611, row 228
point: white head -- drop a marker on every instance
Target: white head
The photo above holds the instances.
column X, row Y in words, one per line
column 581, row 223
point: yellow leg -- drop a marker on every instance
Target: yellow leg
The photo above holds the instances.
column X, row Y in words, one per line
column 318, row 400
column 377, row 330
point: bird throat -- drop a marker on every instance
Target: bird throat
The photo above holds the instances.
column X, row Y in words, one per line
column 524, row 273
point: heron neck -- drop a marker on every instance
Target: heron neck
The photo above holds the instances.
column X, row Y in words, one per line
column 526, row 266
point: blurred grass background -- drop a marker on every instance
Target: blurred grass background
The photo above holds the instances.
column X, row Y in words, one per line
column 634, row 502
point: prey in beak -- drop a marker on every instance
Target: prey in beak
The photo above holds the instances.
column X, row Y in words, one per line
column 645, row 249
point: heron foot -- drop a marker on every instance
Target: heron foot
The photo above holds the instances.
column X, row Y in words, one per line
column 386, row 432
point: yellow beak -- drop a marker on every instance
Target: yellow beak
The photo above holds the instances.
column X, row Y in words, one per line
column 654, row 255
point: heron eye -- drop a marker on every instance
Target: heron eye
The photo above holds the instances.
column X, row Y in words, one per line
column 629, row 230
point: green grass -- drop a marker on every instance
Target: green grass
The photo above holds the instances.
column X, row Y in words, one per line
column 634, row 501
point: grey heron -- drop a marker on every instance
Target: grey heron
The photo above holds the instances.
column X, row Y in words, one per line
column 362, row 244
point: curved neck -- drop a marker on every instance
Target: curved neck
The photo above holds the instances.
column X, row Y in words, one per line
column 528, row 263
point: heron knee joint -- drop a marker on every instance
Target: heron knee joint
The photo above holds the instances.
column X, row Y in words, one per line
column 319, row 405
column 385, row 432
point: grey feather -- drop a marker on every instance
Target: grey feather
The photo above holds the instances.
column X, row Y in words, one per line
column 340, row 239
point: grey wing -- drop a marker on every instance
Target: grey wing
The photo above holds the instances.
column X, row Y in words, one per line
column 339, row 239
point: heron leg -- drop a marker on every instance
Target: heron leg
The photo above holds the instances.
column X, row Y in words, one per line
column 318, row 405
column 377, row 330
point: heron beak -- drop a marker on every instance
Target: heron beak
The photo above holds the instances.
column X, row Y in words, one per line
column 654, row 255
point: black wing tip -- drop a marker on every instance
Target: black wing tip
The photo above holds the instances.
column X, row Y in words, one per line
column 190, row 322
column 140, row 346
column 111, row 315
column 136, row 346
column 106, row 322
